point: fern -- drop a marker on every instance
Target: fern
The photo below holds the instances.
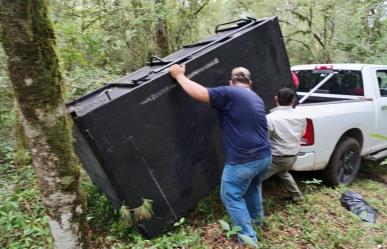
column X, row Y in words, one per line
column 126, row 217
column 141, row 213
column 144, row 212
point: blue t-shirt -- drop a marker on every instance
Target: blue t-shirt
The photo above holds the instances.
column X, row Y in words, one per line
column 243, row 123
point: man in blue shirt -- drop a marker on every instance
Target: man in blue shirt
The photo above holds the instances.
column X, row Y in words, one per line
column 245, row 141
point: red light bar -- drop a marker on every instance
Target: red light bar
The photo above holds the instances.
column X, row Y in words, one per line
column 323, row 67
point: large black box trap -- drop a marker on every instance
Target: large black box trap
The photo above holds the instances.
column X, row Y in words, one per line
column 142, row 137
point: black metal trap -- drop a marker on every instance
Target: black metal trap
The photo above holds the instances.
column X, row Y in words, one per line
column 142, row 137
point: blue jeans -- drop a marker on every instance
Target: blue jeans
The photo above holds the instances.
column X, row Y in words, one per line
column 241, row 193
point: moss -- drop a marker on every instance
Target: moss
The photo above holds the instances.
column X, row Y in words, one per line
column 28, row 39
column 67, row 182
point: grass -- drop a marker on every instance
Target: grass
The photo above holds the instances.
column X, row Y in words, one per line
column 318, row 222
column 321, row 222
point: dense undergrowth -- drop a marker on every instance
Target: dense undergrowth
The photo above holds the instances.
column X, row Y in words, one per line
column 318, row 222
column 23, row 223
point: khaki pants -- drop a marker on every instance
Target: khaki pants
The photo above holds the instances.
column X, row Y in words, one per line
column 281, row 166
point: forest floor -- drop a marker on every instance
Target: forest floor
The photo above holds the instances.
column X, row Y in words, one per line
column 318, row 222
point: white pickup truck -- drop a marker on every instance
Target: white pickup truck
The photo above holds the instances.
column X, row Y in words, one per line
column 344, row 104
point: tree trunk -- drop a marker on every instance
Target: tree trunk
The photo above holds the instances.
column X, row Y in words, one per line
column 161, row 30
column 162, row 38
column 28, row 40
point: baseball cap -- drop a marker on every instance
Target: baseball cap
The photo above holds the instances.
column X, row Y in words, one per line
column 241, row 74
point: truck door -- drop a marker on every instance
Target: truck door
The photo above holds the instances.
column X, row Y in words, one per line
column 381, row 75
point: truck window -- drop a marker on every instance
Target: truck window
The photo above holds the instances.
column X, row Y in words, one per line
column 345, row 82
column 382, row 81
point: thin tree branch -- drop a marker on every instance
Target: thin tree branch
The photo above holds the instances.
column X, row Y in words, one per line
column 306, row 19
column 303, row 44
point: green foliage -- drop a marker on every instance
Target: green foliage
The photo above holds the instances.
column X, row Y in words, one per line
column 233, row 231
column 99, row 40
column 180, row 222
column 313, row 181
column 248, row 240
column 225, row 226
column 320, row 31
column 312, row 184
column 230, row 231
column 210, row 208
column 80, row 81
column 121, row 36
column 184, row 238
column 181, row 237
column 100, row 212
column 101, row 216
column 23, row 223
column 320, row 221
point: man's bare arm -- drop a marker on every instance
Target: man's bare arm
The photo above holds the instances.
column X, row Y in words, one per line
column 195, row 90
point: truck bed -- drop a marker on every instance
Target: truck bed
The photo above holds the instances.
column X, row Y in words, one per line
column 328, row 98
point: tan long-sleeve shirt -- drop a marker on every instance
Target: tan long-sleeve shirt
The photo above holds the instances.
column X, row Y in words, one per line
column 286, row 127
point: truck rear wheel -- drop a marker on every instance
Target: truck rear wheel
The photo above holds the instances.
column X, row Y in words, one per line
column 344, row 164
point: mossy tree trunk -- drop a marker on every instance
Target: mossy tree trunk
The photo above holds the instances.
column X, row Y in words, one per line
column 28, row 39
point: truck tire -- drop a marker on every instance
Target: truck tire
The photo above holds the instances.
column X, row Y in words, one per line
column 344, row 164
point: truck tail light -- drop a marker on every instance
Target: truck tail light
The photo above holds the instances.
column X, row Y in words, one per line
column 308, row 138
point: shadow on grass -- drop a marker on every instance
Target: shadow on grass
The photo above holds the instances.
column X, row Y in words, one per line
column 373, row 171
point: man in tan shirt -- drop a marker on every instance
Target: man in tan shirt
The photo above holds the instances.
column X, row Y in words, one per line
column 286, row 128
